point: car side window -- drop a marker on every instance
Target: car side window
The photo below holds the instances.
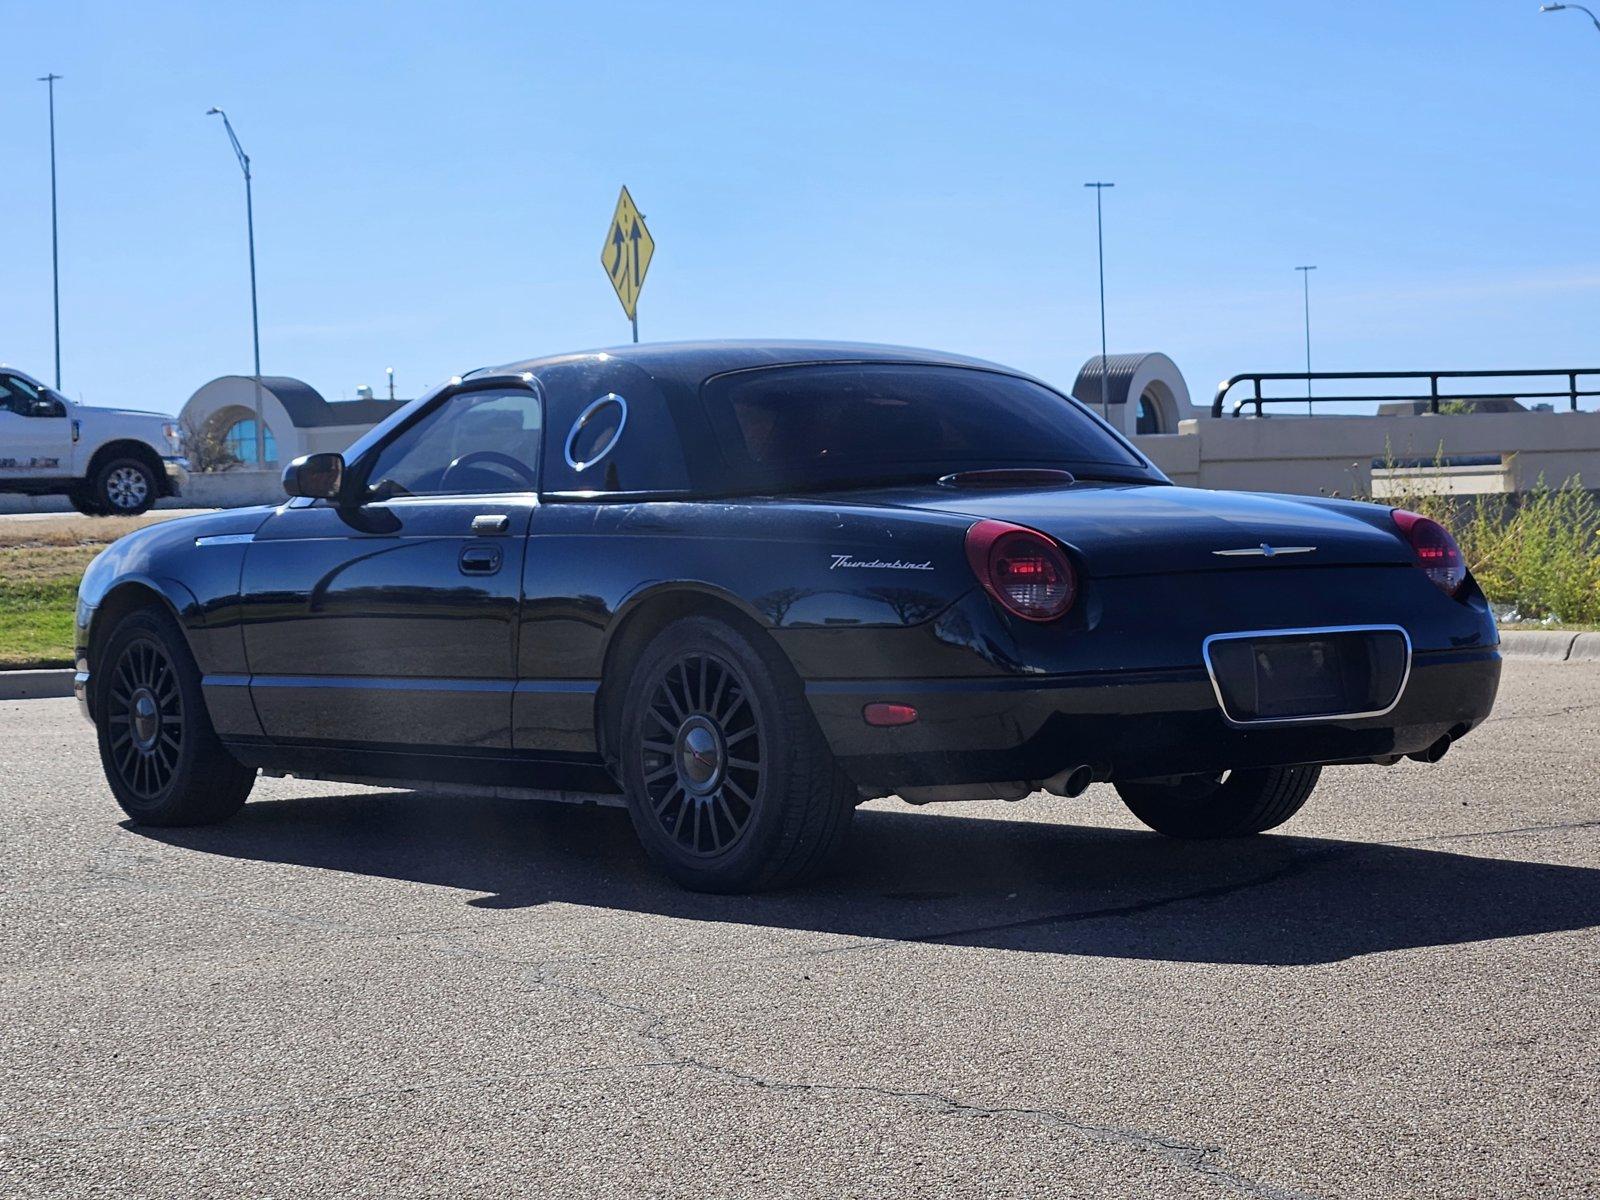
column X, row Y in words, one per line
column 24, row 399
column 473, row 444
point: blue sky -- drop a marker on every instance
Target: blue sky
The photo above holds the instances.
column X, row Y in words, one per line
column 433, row 183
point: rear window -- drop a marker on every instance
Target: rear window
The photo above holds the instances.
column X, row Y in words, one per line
column 841, row 421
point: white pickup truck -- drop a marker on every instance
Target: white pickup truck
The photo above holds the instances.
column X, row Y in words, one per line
column 106, row 461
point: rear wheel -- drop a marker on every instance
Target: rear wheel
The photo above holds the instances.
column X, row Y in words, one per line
column 159, row 751
column 729, row 781
column 1230, row 804
column 124, row 487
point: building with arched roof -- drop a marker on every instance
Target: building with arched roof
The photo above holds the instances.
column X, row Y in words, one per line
column 1145, row 393
column 298, row 420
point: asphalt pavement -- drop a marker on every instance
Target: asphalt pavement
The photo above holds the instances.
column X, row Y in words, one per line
column 362, row 993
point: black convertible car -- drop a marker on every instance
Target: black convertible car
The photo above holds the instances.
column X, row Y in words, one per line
column 746, row 586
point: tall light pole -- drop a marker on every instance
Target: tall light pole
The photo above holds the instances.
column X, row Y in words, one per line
column 55, row 241
column 1305, row 279
column 1100, row 240
column 1544, row 8
column 255, row 322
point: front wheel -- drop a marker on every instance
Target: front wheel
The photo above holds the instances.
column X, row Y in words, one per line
column 160, row 753
column 729, row 781
column 1231, row 804
column 124, row 487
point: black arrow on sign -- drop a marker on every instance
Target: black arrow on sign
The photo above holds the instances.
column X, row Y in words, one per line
column 617, row 267
column 634, row 236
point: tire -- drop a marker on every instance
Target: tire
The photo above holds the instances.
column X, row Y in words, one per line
column 729, row 781
column 1199, row 806
column 124, row 487
column 159, row 752
column 81, row 501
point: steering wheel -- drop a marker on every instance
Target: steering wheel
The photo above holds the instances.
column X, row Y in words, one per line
column 498, row 459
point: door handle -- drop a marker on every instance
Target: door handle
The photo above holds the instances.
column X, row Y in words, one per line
column 491, row 523
column 480, row 560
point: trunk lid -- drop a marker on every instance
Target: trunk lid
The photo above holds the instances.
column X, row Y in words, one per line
column 1122, row 529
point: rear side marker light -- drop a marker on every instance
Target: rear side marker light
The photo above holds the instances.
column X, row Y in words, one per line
column 1027, row 573
column 888, row 714
column 1437, row 553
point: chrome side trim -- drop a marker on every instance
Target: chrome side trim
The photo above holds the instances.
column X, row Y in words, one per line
column 225, row 539
column 584, row 418
column 1264, row 634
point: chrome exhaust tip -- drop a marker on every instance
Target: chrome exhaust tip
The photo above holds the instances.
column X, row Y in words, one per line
column 1072, row 783
column 1434, row 752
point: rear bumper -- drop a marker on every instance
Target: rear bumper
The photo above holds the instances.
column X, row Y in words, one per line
column 1125, row 725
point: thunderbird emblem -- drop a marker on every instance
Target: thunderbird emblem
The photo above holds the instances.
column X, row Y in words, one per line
column 1263, row 551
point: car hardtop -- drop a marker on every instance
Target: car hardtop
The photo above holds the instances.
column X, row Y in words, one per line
column 689, row 364
column 676, row 435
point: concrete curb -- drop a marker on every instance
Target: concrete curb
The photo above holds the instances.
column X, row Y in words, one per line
column 1551, row 645
column 1585, row 648
column 35, row 685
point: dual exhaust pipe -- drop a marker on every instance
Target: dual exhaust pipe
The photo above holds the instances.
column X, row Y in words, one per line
column 1074, row 781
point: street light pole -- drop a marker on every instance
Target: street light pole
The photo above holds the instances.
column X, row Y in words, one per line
column 55, row 242
column 1544, row 8
column 255, row 321
column 1100, row 241
column 1305, row 278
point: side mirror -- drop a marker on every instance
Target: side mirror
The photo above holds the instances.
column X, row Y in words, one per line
column 47, row 408
column 319, row 476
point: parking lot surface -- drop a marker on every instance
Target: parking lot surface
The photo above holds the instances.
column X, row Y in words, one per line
column 364, row 993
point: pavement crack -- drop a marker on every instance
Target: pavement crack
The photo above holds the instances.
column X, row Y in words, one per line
column 1302, row 862
column 1192, row 1156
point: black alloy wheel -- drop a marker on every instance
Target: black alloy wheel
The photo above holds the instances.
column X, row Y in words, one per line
column 730, row 784
column 144, row 709
column 159, row 750
column 701, row 755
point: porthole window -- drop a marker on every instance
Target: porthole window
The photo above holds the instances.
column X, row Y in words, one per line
column 596, row 431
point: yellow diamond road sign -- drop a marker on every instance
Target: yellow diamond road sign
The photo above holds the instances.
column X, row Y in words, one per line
column 626, row 254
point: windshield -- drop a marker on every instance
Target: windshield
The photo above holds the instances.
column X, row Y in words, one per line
column 841, row 423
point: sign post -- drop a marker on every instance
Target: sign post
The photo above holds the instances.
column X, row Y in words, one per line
column 626, row 255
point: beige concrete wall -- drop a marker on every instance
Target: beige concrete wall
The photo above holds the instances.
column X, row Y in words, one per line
column 1333, row 455
column 234, row 489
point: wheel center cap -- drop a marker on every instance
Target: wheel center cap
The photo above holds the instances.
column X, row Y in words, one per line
column 146, row 719
column 699, row 755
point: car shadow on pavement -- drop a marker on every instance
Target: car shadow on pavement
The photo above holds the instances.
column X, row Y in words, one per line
column 927, row 877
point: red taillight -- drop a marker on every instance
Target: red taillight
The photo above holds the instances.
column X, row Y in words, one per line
column 1022, row 569
column 1436, row 551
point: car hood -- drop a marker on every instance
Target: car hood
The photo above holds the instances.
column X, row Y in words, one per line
column 1157, row 529
column 130, row 412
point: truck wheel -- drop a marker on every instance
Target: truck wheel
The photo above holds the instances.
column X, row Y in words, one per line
column 729, row 781
column 161, row 755
column 124, row 487
column 83, row 502
column 1236, row 804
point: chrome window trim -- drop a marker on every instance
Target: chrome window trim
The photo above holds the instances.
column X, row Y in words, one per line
column 583, row 419
column 1263, row 634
